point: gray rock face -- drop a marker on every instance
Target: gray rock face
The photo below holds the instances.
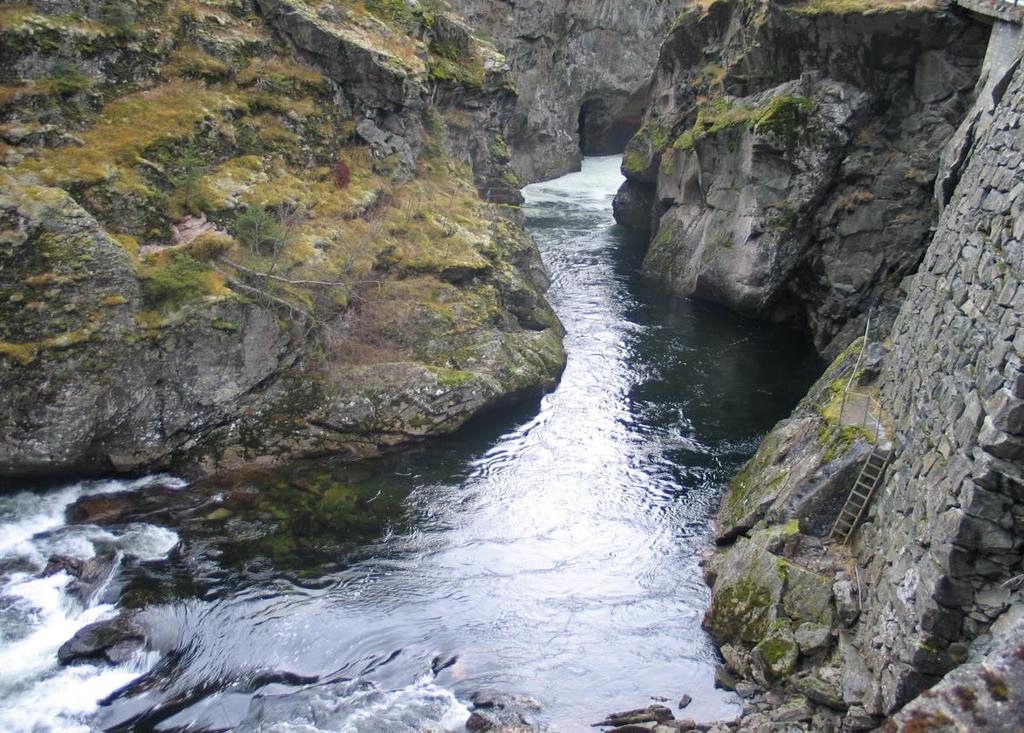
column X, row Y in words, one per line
column 794, row 154
column 983, row 697
column 582, row 70
column 931, row 580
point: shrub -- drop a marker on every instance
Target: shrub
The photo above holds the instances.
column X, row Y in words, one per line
column 260, row 231
column 68, row 78
column 176, row 280
column 342, row 174
column 209, row 246
column 191, row 169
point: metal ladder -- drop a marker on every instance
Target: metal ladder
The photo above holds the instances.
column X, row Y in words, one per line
column 863, row 490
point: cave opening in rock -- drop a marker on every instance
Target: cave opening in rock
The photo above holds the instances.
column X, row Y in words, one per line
column 606, row 125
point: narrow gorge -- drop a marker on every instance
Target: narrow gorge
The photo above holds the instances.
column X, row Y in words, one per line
column 401, row 365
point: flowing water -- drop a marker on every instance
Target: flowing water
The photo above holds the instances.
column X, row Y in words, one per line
column 550, row 551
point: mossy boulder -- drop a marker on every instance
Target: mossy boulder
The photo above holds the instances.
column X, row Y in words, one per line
column 775, row 656
column 759, row 597
column 804, row 467
column 746, row 594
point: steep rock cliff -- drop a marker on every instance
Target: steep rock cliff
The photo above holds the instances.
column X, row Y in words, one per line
column 790, row 151
column 236, row 231
column 932, row 578
column 582, row 70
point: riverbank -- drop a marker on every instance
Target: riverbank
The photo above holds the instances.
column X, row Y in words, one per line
column 573, row 528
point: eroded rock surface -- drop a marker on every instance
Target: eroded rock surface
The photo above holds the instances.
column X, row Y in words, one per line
column 355, row 280
column 790, row 151
column 582, row 70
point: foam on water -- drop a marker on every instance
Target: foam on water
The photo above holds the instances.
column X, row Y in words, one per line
column 38, row 613
column 359, row 707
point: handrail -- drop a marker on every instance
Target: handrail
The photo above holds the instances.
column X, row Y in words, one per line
column 869, row 401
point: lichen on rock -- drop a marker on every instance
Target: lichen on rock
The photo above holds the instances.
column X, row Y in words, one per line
column 187, row 279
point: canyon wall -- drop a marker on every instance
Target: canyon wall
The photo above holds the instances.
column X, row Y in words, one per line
column 843, row 637
column 582, row 70
column 235, row 231
column 787, row 160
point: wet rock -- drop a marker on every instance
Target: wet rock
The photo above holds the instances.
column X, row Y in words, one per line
column 496, row 710
column 93, row 576
column 650, row 714
column 481, row 721
column 723, row 679
column 634, row 204
column 439, row 664
column 114, row 641
column 73, row 566
column 684, row 701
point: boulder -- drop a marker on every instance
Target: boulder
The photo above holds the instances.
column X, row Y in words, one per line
column 114, row 641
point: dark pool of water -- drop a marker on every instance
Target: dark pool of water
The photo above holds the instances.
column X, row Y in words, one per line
column 550, row 551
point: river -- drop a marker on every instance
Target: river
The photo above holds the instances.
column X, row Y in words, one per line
column 550, row 550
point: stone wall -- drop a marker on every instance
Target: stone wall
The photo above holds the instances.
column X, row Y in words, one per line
column 949, row 529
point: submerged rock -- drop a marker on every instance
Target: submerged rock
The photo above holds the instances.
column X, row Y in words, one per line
column 495, row 710
column 652, row 713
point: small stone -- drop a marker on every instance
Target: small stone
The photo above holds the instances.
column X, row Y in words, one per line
column 795, row 710
column 684, row 701
column 746, row 689
column 724, row 680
